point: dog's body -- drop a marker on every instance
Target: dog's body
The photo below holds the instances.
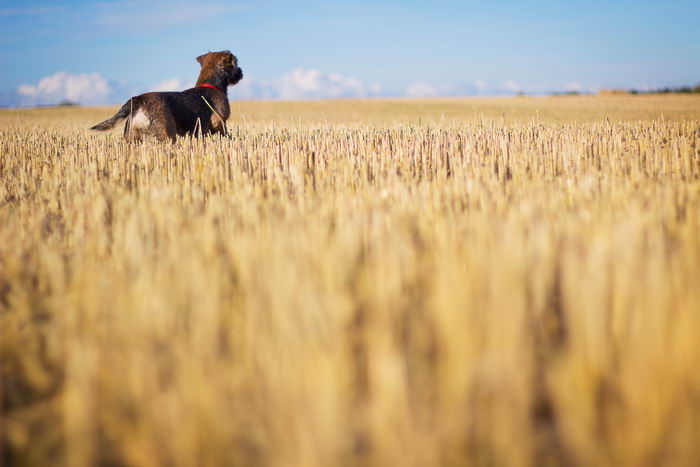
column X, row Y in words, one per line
column 166, row 115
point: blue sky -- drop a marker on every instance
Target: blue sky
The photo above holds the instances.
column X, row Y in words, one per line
column 102, row 52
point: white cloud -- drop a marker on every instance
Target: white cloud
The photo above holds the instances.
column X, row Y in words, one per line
column 250, row 88
column 420, row 89
column 375, row 89
column 476, row 88
column 305, row 84
column 82, row 88
column 315, row 84
column 512, row 86
column 639, row 87
column 87, row 88
column 172, row 84
column 479, row 87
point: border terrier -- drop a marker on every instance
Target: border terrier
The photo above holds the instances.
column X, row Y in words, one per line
column 166, row 115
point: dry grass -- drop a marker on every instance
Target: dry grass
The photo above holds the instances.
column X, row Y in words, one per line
column 496, row 282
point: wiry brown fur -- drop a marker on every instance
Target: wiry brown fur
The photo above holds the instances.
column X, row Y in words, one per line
column 166, row 115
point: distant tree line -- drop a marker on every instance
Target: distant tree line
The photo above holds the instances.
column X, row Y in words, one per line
column 669, row 90
column 570, row 93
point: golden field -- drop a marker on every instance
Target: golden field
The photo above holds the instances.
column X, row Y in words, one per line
column 465, row 282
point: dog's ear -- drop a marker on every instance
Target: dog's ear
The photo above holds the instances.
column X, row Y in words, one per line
column 200, row 59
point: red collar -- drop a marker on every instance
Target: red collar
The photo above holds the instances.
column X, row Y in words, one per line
column 210, row 86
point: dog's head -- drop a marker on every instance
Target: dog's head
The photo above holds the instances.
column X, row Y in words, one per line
column 223, row 64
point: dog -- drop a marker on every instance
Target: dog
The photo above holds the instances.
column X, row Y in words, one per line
column 166, row 115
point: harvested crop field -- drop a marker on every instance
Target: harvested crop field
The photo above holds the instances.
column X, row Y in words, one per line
column 487, row 282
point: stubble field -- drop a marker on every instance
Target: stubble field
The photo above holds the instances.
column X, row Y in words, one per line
column 487, row 282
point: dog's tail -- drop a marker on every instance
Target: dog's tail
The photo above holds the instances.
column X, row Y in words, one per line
column 114, row 119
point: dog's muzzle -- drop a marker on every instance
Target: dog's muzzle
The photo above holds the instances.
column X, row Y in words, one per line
column 237, row 75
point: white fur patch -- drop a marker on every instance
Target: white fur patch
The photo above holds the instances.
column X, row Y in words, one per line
column 140, row 120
